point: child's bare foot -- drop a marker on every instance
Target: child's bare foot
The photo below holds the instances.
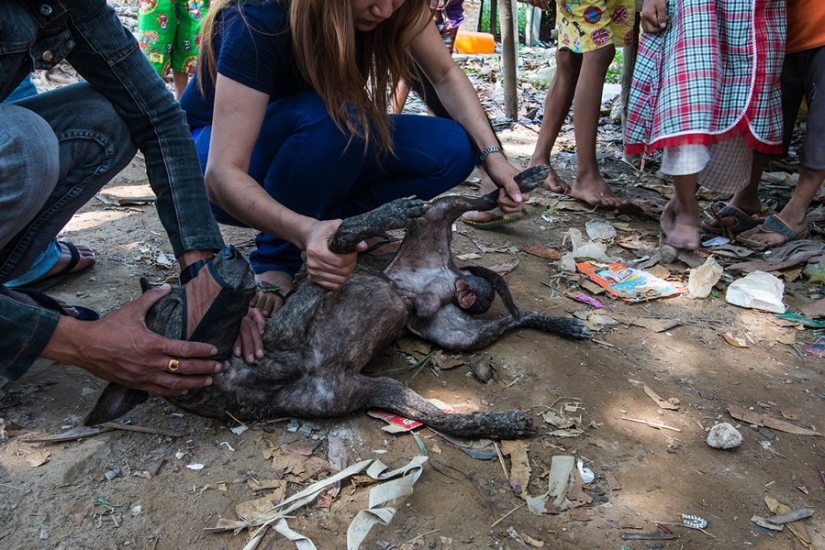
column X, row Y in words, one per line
column 680, row 225
column 273, row 287
column 554, row 182
column 776, row 230
column 596, row 192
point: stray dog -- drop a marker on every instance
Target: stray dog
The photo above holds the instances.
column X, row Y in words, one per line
column 317, row 344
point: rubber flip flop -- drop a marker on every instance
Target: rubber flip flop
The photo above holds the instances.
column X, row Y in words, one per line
column 743, row 222
column 67, row 272
column 772, row 224
column 83, row 313
column 500, row 220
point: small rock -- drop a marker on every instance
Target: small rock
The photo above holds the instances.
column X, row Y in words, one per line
column 724, row 436
column 483, row 371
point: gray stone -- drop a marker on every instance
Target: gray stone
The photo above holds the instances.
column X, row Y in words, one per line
column 724, row 436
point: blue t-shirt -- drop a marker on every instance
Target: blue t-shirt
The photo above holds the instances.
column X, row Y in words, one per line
column 254, row 49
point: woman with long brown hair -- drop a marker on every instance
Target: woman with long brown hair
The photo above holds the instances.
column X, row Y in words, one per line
column 289, row 115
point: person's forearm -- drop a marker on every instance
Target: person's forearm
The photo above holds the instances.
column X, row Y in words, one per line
column 246, row 201
column 461, row 100
column 155, row 121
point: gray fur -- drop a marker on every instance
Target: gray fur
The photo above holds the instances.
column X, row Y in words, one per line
column 318, row 343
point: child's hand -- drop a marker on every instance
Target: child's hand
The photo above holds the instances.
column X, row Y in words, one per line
column 654, row 16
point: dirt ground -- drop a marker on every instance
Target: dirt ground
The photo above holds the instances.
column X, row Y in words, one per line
column 124, row 489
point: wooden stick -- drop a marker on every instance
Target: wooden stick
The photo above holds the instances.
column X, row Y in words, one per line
column 499, row 520
column 143, row 429
column 651, row 424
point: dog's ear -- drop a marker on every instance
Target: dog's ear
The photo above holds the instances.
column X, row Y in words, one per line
column 114, row 402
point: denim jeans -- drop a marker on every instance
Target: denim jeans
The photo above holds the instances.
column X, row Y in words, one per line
column 53, row 160
column 308, row 165
column 58, row 148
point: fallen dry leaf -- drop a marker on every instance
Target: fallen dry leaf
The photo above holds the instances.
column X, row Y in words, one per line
column 38, row 458
column 519, row 465
column 251, row 509
column 789, row 415
column 734, row 341
column 752, row 417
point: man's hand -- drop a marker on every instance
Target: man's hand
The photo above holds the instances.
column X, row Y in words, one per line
column 654, row 16
column 120, row 348
column 325, row 268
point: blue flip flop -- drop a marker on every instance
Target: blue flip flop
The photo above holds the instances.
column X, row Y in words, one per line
column 772, row 224
column 743, row 222
column 83, row 313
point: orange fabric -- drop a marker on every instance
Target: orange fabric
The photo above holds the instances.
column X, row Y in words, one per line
column 806, row 25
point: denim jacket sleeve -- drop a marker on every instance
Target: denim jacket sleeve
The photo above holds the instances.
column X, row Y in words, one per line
column 20, row 347
column 109, row 58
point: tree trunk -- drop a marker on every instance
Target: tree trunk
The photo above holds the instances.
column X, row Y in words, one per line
column 509, row 56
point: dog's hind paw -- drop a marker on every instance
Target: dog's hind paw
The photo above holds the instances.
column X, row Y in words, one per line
column 514, row 425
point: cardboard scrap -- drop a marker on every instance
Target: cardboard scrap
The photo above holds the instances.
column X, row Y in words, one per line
column 627, row 283
column 759, row 419
column 564, row 489
column 519, row 465
column 659, row 401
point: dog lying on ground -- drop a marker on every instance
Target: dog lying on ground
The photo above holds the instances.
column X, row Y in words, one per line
column 318, row 343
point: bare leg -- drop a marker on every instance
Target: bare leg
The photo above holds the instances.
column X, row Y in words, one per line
column 399, row 97
column 556, row 106
column 589, row 186
column 747, row 198
column 680, row 217
column 181, row 80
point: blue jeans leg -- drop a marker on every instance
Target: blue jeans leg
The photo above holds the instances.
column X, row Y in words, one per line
column 57, row 149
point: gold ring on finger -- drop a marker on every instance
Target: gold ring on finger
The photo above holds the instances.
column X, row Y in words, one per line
column 174, row 364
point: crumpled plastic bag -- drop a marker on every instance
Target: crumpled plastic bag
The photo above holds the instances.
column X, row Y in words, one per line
column 702, row 278
column 586, row 250
column 758, row 290
column 599, row 229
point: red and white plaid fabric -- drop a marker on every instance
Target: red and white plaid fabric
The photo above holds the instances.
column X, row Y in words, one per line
column 711, row 75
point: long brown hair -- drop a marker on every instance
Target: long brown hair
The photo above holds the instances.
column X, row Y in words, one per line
column 323, row 37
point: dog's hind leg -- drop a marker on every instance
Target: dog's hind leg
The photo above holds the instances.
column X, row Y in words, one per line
column 392, row 215
column 391, row 395
column 450, row 207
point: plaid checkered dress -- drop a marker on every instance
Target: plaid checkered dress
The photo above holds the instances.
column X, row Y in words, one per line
column 711, row 75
